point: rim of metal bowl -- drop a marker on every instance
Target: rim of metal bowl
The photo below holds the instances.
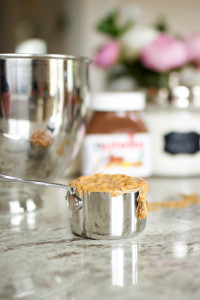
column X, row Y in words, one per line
column 44, row 56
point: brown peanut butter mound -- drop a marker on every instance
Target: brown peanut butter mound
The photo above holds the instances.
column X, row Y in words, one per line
column 116, row 184
column 42, row 138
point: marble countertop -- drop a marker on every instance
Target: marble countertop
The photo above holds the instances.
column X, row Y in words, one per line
column 40, row 258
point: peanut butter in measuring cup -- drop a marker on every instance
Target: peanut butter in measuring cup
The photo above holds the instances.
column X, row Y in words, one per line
column 115, row 184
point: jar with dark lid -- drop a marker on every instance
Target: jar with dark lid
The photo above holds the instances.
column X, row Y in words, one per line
column 117, row 140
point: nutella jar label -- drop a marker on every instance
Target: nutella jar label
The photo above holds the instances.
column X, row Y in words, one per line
column 128, row 154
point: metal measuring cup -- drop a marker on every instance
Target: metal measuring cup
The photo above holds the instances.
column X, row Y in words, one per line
column 98, row 215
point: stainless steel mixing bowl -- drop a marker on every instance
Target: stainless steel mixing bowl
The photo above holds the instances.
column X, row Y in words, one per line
column 44, row 97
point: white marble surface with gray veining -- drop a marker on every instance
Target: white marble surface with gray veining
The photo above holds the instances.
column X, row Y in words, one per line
column 41, row 259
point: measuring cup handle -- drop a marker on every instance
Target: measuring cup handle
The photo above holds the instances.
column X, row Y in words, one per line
column 75, row 203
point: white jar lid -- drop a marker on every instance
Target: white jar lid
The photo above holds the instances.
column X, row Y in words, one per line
column 118, row 101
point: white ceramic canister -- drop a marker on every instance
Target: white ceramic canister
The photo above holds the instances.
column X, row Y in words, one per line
column 174, row 125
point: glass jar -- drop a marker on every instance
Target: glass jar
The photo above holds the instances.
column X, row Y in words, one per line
column 117, row 139
column 174, row 123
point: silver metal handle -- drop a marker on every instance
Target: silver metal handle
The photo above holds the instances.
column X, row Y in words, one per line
column 74, row 202
column 77, row 202
column 48, row 184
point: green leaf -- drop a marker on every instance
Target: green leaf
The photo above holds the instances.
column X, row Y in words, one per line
column 109, row 25
column 161, row 25
column 143, row 76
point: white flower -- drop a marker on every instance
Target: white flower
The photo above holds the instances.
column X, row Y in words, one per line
column 136, row 38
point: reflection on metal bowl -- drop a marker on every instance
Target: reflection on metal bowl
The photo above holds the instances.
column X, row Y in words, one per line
column 43, row 111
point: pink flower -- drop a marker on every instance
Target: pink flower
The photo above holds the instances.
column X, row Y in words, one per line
column 164, row 53
column 193, row 47
column 108, row 55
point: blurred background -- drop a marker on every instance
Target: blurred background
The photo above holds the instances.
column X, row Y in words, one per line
column 168, row 69
column 68, row 26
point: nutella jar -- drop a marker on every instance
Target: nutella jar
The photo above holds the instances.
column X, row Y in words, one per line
column 117, row 140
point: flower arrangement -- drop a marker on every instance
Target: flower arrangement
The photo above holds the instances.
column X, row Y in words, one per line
column 147, row 55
